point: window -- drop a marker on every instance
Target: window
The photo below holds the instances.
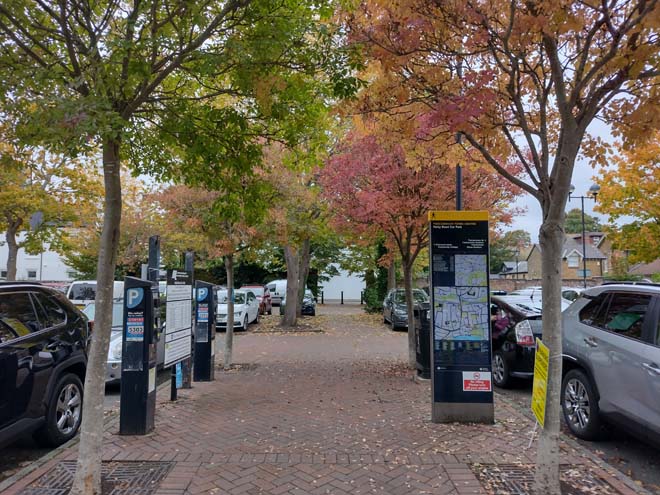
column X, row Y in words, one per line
column 53, row 312
column 3, row 273
column 573, row 261
column 625, row 314
column 590, row 312
column 5, row 333
column 17, row 312
column 32, row 274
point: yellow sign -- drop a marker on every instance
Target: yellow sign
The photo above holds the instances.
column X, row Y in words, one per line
column 458, row 215
column 540, row 387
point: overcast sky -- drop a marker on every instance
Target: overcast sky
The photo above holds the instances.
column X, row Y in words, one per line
column 583, row 178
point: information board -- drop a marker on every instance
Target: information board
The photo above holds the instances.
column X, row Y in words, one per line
column 460, row 301
column 178, row 316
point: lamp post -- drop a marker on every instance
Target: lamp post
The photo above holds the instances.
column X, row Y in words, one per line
column 517, row 263
column 591, row 194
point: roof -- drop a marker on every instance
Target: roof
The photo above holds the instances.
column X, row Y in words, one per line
column 646, row 268
column 572, row 244
column 510, row 267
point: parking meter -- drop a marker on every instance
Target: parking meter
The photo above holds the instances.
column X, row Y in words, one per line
column 138, row 365
column 204, row 355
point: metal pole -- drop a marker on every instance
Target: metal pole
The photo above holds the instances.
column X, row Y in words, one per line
column 584, row 248
column 186, row 364
column 342, row 297
column 459, row 187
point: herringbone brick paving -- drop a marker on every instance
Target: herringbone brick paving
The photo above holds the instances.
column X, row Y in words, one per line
column 322, row 413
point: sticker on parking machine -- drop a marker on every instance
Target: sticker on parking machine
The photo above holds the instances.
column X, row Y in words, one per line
column 476, row 381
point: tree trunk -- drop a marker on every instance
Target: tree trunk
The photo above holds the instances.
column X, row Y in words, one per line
column 551, row 239
column 410, row 305
column 229, row 336
column 87, row 480
column 12, row 249
column 303, row 273
column 292, row 258
column 391, row 276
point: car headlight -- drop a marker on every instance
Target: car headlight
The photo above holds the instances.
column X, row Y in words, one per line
column 237, row 315
column 115, row 350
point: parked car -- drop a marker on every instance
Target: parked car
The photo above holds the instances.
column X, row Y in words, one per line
column 515, row 325
column 277, row 290
column 43, row 359
column 263, row 296
column 113, row 362
column 308, row 307
column 611, row 365
column 83, row 292
column 395, row 311
column 535, row 295
column 246, row 309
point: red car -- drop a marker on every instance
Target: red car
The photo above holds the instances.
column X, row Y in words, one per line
column 263, row 296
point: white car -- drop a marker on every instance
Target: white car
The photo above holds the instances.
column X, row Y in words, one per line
column 246, row 308
column 533, row 296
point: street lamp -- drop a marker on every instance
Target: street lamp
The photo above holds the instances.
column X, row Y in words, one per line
column 517, row 265
column 592, row 193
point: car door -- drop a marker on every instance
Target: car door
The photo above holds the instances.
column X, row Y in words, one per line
column 651, row 366
column 616, row 349
column 9, row 356
column 387, row 307
column 17, row 314
column 253, row 306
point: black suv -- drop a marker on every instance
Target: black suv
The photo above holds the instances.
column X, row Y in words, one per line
column 43, row 357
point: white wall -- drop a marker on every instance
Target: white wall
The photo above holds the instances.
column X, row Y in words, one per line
column 47, row 266
column 352, row 285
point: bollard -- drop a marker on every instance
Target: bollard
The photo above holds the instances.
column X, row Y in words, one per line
column 361, row 298
column 322, row 298
column 342, row 297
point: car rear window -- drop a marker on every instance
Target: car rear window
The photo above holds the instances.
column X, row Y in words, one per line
column 83, row 292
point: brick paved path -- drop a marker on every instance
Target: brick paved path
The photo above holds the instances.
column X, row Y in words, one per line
column 321, row 413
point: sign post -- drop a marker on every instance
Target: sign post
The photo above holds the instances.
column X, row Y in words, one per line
column 138, row 365
column 461, row 367
column 204, row 355
column 178, row 319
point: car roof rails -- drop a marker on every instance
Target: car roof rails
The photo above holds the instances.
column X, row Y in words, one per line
column 633, row 282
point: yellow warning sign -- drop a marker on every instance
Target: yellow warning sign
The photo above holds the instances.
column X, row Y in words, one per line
column 540, row 387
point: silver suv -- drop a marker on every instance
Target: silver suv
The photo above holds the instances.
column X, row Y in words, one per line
column 611, row 360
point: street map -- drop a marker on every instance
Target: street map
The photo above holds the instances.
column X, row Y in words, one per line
column 461, row 312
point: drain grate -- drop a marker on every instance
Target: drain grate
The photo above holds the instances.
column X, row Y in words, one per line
column 518, row 479
column 118, row 478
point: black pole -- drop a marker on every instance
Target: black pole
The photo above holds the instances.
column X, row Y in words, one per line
column 186, row 364
column 584, row 248
column 459, row 187
column 342, row 297
column 322, row 298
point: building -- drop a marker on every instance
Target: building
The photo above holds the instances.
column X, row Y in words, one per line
column 351, row 286
column 48, row 265
column 598, row 251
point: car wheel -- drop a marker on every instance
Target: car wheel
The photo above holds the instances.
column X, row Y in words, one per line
column 580, row 406
column 392, row 325
column 256, row 320
column 64, row 412
column 501, row 376
column 245, row 323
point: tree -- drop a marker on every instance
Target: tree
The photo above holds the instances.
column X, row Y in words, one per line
column 508, row 247
column 373, row 190
column 631, row 188
column 114, row 73
column 526, row 78
column 573, row 223
column 34, row 182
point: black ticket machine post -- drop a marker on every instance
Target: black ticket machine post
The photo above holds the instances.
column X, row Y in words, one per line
column 138, row 365
column 204, row 368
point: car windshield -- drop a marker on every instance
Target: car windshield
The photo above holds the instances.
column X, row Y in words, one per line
column 82, row 291
column 117, row 314
column 419, row 296
column 223, row 297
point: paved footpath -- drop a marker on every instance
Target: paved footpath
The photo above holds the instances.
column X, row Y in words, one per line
column 332, row 412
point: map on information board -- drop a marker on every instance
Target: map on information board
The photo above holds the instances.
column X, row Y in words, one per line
column 471, row 270
column 461, row 313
